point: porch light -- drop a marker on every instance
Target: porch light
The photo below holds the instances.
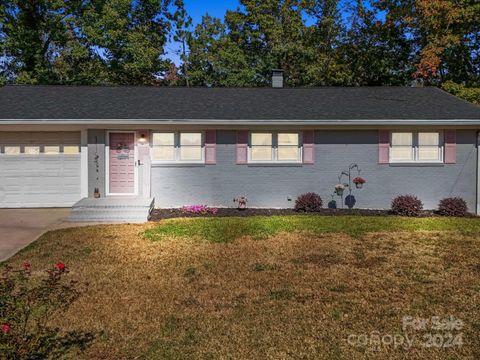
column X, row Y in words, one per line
column 142, row 138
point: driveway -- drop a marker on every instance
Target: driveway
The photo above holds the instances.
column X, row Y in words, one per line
column 20, row 227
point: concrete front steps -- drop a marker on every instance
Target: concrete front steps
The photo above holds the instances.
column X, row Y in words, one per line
column 116, row 209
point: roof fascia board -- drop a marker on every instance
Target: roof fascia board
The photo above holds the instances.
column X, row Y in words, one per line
column 137, row 122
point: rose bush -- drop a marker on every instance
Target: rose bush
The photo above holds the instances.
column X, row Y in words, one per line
column 27, row 303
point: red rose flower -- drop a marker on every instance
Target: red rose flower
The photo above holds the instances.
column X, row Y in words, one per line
column 60, row 266
column 5, row 328
column 26, row 265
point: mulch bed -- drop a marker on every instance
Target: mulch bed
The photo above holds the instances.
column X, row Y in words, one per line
column 159, row 214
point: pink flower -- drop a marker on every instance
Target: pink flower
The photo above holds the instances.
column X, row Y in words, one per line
column 5, row 328
column 198, row 209
column 60, row 266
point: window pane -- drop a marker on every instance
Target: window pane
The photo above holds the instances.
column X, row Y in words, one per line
column 52, row 150
column 262, row 139
column 428, row 138
column 191, row 153
column 163, row 139
column 401, row 139
column 429, row 153
column 163, row 153
column 287, row 139
column 12, row 150
column 32, row 150
column 262, row 153
column 70, row 150
column 191, row 139
column 288, row 153
column 401, row 153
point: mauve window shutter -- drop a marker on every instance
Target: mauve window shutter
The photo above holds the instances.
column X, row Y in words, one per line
column 383, row 146
column 309, row 147
column 450, row 146
column 210, row 147
column 242, row 147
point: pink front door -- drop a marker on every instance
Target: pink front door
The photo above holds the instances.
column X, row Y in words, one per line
column 122, row 163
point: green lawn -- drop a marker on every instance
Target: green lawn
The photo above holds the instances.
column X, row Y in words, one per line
column 228, row 229
column 267, row 287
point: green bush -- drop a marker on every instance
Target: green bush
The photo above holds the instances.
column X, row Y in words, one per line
column 470, row 94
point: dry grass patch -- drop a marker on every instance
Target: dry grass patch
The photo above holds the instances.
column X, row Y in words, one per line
column 293, row 295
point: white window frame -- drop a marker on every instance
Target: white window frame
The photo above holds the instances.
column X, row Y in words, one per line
column 275, row 148
column 177, row 148
column 415, row 147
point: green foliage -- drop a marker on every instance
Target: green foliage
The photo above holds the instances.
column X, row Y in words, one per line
column 84, row 42
column 466, row 93
column 378, row 52
column 251, row 41
column 316, row 42
column 215, row 59
column 182, row 23
column 221, row 230
column 131, row 35
column 33, row 33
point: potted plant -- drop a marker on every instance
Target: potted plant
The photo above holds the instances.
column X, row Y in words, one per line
column 359, row 181
column 339, row 188
column 96, row 193
column 242, row 202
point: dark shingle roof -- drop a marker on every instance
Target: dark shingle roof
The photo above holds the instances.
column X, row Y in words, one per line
column 300, row 104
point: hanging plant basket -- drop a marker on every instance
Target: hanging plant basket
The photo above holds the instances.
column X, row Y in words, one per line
column 339, row 189
column 359, row 181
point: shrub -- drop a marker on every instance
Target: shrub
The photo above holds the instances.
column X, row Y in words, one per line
column 27, row 304
column 309, row 202
column 407, row 205
column 471, row 94
column 453, row 207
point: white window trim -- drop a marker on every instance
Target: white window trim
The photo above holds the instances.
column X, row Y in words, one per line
column 177, row 147
column 275, row 148
column 415, row 147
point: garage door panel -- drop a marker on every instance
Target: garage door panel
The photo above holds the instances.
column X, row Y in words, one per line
column 40, row 180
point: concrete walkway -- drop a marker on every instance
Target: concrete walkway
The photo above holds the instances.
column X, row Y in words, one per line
column 20, row 227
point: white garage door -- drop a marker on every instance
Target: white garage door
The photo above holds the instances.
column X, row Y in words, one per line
column 39, row 169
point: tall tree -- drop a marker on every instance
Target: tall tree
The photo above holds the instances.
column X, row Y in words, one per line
column 33, row 34
column 326, row 63
column 444, row 34
column 215, row 59
column 130, row 36
column 272, row 34
column 378, row 50
column 182, row 23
